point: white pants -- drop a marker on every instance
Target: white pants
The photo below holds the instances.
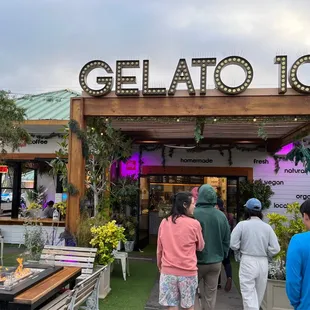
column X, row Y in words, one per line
column 253, row 275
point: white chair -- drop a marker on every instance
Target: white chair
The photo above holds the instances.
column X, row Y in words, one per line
column 123, row 258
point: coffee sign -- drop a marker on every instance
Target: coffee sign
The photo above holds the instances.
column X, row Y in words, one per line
column 182, row 75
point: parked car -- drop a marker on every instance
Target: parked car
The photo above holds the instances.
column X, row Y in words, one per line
column 6, row 197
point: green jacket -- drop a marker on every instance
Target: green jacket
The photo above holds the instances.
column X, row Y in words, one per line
column 215, row 227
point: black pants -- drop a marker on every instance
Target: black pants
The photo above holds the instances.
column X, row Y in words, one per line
column 227, row 266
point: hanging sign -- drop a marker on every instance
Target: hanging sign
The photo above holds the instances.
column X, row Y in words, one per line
column 4, row 169
column 182, row 75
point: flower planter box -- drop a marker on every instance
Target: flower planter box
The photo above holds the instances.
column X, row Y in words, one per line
column 275, row 296
column 104, row 286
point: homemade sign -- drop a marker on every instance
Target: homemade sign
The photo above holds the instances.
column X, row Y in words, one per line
column 183, row 75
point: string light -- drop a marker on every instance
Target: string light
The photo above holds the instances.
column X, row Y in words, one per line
column 178, row 119
column 107, row 119
column 214, row 120
column 295, row 119
column 254, row 119
column 101, row 134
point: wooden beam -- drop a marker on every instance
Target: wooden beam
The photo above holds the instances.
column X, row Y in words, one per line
column 205, row 171
column 76, row 167
column 206, row 141
column 297, row 134
column 213, row 105
column 46, row 122
column 27, row 156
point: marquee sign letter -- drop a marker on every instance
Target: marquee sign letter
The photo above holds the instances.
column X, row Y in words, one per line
column 233, row 60
column 282, row 61
column 146, row 91
column 293, row 79
column 119, row 91
column 203, row 63
column 182, row 75
column 107, row 81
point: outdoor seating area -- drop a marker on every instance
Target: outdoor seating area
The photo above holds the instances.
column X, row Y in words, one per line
column 64, row 288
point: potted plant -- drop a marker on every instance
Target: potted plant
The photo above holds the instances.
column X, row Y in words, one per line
column 106, row 238
column 285, row 227
column 130, row 225
column 61, row 207
column 34, row 209
column 255, row 189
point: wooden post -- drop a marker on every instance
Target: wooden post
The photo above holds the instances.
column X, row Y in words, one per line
column 76, row 167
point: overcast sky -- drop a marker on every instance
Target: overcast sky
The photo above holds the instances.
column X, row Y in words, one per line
column 45, row 43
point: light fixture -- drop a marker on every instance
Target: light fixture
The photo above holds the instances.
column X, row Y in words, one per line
column 101, row 134
column 214, row 120
column 254, row 119
column 238, row 61
column 293, row 78
column 107, row 119
column 107, row 81
column 282, row 61
column 182, row 75
column 178, row 119
column 295, row 119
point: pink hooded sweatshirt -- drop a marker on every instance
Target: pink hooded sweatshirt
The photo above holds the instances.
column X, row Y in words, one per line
column 194, row 192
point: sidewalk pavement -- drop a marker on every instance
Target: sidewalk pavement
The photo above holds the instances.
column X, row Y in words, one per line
column 224, row 301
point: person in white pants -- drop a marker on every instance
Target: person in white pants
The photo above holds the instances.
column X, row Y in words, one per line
column 255, row 242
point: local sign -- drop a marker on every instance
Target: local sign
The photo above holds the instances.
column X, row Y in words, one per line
column 4, row 169
column 182, row 75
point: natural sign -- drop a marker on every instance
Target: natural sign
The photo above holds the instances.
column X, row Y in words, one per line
column 182, row 75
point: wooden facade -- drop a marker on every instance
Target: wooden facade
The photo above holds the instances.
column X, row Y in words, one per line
column 255, row 103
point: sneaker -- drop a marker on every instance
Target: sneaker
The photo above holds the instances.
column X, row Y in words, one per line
column 228, row 285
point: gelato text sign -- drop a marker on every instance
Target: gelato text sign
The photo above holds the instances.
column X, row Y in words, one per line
column 182, row 75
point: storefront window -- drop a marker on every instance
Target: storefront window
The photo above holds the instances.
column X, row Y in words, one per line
column 28, row 185
column 6, row 191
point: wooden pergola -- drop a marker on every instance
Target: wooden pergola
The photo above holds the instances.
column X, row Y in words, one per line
column 291, row 112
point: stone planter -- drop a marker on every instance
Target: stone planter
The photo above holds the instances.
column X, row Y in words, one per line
column 275, row 296
column 104, row 286
column 129, row 246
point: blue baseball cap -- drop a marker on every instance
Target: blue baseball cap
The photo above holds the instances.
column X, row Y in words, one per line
column 253, row 204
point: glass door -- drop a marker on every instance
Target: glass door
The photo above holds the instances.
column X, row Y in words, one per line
column 233, row 197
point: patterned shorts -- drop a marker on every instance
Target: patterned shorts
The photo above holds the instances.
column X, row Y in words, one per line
column 177, row 291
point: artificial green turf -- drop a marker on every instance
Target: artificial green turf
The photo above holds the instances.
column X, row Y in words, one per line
column 133, row 293
column 148, row 251
column 235, row 273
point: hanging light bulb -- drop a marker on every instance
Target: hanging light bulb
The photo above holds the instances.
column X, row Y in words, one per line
column 107, row 119
column 254, row 119
column 101, row 134
column 178, row 119
column 214, row 120
column 295, row 119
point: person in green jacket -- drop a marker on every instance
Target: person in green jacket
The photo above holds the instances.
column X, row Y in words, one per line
column 216, row 233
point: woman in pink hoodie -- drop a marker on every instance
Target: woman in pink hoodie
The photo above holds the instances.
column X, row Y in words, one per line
column 179, row 237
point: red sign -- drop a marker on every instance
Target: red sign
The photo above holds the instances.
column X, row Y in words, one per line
column 4, row 169
column 131, row 165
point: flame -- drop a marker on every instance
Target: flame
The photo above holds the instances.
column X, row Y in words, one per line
column 20, row 271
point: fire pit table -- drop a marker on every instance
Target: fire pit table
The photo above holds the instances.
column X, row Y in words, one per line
column 28, row 288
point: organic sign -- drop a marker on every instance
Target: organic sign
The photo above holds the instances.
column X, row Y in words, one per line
column 182, row 75
column 4, row 169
